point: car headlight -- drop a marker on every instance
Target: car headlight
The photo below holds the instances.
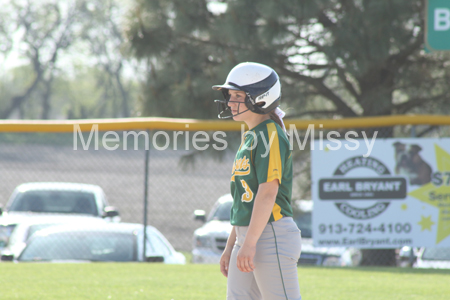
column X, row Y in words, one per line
column 203, row 241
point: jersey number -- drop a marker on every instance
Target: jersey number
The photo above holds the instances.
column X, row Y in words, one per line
column 248, row 196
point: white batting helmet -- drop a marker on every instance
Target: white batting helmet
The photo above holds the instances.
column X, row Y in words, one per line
column 260, row 83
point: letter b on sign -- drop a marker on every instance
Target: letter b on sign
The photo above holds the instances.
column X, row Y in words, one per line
column 441, row 19
column 437, row 35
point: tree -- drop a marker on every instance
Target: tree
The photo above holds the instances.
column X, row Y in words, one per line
column 45, row 31
column 55, row 39
column 340, row 58
column 103, row 37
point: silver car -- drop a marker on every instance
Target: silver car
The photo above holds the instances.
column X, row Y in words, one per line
column 433, row 257
column 21, row 229
column 113, row 242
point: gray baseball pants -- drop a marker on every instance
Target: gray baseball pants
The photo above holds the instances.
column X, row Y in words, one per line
column 275, row 275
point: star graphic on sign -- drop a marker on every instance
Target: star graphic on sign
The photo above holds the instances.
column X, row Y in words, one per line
column 438, row 196
column 426, row 223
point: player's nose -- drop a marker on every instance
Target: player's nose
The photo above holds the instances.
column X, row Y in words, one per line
column 231, row 102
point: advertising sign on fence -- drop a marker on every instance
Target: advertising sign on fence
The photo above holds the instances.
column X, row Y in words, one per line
column 437, row 25
column 399, row 195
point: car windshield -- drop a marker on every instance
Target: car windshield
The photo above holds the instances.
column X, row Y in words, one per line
column 436, row 253
column 55, row 202
column 89, row 245
column 154, row 245
column 304, row 223
column 223, row 212
column 18, row 237
column 37, row 227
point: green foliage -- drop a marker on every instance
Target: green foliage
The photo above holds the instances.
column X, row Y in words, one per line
column 80, row 96
column 335, row 58
column 72, row 65
column 88, row 93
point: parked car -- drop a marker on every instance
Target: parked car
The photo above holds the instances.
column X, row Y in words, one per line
column 7, row 225
column 106, row 241
column 209, row 240
column 433, row 257
column 60, row 197
column 24, row 228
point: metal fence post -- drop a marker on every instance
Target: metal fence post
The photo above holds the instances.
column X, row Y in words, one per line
column 147, row 159
column 411, row 251
column 413, row 131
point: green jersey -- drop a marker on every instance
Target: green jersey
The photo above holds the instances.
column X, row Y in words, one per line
column 263, row 156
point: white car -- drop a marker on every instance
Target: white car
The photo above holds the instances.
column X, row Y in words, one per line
column 50, row 198
column 210, row 239
column 104, row 241
column 433, row 257
column 59, row 197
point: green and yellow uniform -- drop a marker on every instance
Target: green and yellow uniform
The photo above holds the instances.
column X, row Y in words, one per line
column 264, row 155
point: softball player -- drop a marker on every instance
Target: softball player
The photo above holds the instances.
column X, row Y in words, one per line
column 260, row 258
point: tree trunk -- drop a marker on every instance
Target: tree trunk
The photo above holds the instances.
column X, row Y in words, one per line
column 17, row 101
column 46, row 100
column 124, row 94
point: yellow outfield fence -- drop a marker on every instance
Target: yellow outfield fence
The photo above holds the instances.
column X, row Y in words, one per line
column 194, row 125
column 172, row 176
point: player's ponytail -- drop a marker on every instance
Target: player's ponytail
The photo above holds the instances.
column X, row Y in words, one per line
column 277, row 116
column 273, row 115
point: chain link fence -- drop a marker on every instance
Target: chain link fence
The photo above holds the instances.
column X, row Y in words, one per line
column 187, row 173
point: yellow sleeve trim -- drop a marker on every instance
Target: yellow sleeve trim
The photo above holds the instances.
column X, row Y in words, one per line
column 276, row 212
column 274, row 170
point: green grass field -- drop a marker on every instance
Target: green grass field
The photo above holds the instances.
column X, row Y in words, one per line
column 32, row 281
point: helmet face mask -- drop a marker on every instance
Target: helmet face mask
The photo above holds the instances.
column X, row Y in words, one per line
column 259, row 82
column 225, row 110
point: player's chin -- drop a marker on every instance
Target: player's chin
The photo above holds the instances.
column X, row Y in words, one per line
column 237, row 116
